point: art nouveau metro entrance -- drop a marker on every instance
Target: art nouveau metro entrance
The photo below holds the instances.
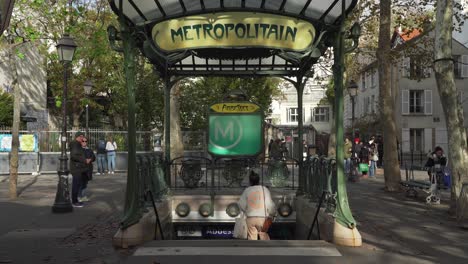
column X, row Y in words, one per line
column 243, row 38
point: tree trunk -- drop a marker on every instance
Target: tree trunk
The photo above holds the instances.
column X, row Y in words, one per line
column 332, row 137
column 177, row 146
column 444, row 73
column 13, row 192
column 76, row 120
column 391, row 167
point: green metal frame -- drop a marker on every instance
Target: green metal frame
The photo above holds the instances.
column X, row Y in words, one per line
column 299, row 64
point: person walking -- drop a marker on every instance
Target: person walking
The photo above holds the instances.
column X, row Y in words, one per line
column 101, row 157
column 258, row 207
column 88, row 175
column 373, row 157
column 111, row 147
column 363, row 159
column 275, row 150
column 269, row 147
column 78, row 166
column 348, row 150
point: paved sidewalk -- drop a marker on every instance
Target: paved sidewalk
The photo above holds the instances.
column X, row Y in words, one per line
column 31, row 233
column 393, row 225
column 395, row 229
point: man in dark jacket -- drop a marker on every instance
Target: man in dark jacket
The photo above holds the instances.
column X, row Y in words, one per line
column 88, row 174
column 78, row 166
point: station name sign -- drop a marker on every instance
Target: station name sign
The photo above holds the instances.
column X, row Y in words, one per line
column 235, row 108
column 233, row 29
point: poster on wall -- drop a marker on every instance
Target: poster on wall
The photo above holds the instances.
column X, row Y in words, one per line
column 28, row 143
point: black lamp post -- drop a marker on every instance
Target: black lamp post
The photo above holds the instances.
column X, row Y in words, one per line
column 352, row 90
column 66, row 49
column 88, row 86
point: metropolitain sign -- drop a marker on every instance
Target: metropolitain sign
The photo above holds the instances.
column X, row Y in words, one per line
column 233, row 29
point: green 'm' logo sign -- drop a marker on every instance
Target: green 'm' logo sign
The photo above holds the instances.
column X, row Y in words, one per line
column 237, row 134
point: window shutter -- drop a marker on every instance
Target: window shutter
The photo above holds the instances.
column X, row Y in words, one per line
column 427, row 72
column 405, row 139
column 288, row 115
column 369, row 79
column 405, row 69
column 427, row 139
column 405, row 102
column 428, row 102
column 464, row 66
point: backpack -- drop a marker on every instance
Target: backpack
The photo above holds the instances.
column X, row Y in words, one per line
column 102, row 145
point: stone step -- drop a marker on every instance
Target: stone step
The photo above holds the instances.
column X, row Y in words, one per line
column 236, row 251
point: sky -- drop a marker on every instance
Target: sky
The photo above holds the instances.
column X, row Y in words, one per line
column 463, row 35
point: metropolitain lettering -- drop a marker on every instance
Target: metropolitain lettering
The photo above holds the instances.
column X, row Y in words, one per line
column 231, row 31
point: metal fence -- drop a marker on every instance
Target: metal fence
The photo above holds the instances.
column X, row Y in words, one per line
column 320, row 181
column 198, row 173
column 49, row 140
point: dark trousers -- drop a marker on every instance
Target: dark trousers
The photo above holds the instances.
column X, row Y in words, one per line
column 76, row 185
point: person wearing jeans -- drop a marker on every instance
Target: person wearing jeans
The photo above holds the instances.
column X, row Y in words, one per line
column 78, row 167
column 101, row 157
column 374, row 157
column 111, row 147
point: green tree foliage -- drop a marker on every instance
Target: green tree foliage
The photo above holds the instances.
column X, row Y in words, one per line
column 6, row 109
column 198, row 94
column 149, row 97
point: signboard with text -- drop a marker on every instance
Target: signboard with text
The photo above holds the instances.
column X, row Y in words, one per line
column 234, row 29
column 235, row 129
column 28, row 143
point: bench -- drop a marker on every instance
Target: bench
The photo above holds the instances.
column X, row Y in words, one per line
column 412, row 185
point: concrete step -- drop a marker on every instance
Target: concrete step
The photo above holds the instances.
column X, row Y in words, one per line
column 236, row 251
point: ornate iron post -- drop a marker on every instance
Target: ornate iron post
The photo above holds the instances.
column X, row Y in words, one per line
column 343, row 213
column 66, row 49
column 132, row 209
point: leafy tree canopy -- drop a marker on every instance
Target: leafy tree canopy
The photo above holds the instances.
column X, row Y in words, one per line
column 6, row 109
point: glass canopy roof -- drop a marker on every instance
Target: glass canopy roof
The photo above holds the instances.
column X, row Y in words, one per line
column 147, row 11
column 143, row 15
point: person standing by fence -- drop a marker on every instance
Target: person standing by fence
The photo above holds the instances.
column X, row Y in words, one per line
column 111, row 147
column 88, row 175
column 78, row 166
column 101, row 157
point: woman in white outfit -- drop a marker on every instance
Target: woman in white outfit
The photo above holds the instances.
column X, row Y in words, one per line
column 111, row 147
column 257, row 205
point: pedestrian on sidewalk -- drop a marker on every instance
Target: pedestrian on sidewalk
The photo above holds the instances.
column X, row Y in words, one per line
column 348, row 150
column 101, row 157
column 258, row 207
column 374, row 157
column 88, row 175
column 78, row 166
column 111, row 148
column 363, row 159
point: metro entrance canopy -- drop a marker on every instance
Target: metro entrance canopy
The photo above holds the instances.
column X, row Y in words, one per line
column 239, row 38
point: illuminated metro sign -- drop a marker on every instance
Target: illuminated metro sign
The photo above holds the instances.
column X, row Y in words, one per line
column 235, row 129
column 233, row 29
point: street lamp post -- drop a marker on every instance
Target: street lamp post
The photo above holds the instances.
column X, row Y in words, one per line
column 352, row 90
column 88, row 86
column 66, row 49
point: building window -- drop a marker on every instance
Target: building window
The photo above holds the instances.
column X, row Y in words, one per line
column 417, row 140
column 320, row 114
column 293, row 115
column 372, row 104
column 372, row 73
column 416, row 101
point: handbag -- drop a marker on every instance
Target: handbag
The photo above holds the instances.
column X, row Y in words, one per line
column 268, row 220
column 240, row 227
column 363, row 167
